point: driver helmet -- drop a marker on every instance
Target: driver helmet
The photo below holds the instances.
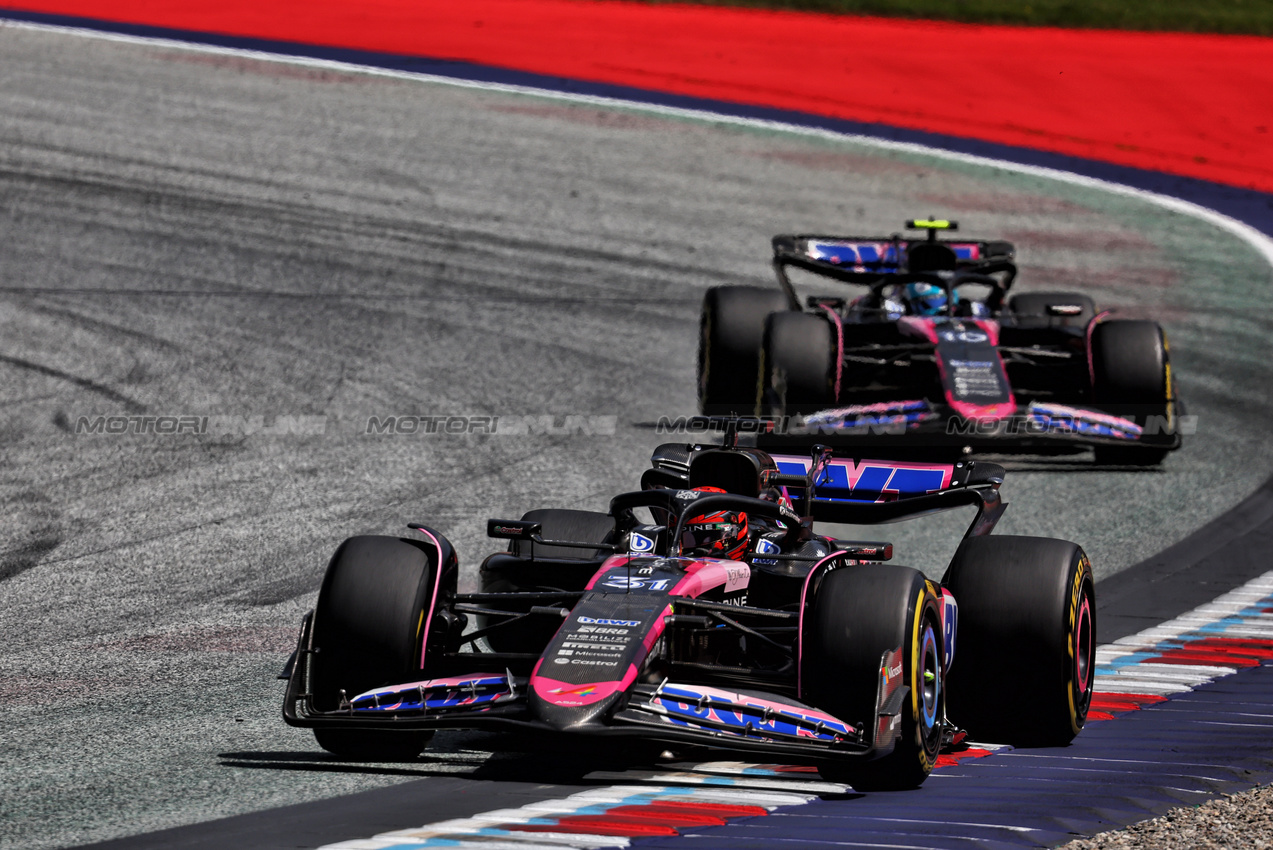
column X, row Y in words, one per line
column 926, row 299
column 722, row 534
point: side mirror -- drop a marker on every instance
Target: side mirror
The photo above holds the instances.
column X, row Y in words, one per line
column 513, row 529
column 865, row 551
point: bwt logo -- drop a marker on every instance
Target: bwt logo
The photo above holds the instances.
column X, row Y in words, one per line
column 215, row 426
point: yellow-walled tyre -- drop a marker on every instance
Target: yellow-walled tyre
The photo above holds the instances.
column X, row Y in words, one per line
column 857, row 614
column 1025, row 651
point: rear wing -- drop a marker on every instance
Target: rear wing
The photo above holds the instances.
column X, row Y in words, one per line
column 878, row 261
column 886, row 254
column 867, row 492
column 826, row 488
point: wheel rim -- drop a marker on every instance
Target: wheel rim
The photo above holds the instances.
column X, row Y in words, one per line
column 1083, row 647
column 929, row 680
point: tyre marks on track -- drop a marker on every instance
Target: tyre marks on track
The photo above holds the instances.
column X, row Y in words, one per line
column 1181, row 712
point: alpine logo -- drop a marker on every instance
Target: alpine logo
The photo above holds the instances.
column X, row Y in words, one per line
column 640, row 543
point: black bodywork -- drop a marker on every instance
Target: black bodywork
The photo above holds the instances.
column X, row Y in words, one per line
column 717, row 664
column 994, row 370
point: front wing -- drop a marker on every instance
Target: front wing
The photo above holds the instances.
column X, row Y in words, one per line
column 669, row 712
column 916, row 424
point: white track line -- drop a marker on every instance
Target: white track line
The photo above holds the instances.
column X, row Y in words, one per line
column 1257, row 240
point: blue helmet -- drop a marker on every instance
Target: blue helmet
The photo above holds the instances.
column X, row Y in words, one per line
column 925, row 299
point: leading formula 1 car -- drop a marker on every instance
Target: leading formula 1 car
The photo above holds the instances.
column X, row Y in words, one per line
column 706, row 609
column 935, row 353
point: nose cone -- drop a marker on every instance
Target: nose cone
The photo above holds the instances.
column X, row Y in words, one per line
column 566, row 705
column 596, row 655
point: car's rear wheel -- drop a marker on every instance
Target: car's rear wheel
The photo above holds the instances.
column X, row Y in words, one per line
column 1025, row 649
column 367, row 633
column 857, row 614
column 1072, row 309
column 1131, row 377
column 799, row 363
column 731, row 329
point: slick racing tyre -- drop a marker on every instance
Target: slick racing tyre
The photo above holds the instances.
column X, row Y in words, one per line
column 798, row 360
column 857, row 614
column 374, row 594
column 1131, row 377
column 731, row 329
column 1025, row 647
column 1064, row 309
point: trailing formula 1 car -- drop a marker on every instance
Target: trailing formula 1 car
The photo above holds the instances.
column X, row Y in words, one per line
column 935, row 355
column 707, row 609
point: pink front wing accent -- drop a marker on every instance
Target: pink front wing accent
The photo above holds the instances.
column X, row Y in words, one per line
column 982, row 412
column 575, row 695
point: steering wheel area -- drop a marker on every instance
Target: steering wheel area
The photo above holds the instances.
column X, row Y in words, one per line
column 682, row 504
column 949, row 282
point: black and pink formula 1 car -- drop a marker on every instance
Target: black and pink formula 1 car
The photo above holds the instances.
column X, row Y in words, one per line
column 707, row 609
column 927, row 350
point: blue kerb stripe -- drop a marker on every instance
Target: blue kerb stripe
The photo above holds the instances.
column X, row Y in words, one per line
column 1218, row 627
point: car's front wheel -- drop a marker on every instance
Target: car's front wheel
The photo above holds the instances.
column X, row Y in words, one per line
column 369, row 631
column 857, row 614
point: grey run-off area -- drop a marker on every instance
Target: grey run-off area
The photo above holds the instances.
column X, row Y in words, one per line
column 291, row 251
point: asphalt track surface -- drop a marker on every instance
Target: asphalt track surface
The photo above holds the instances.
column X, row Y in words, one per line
column 1179, row 103
column 206, row 235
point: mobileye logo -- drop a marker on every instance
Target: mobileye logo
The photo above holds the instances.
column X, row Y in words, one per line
column 591, row 621
column 640, row 543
